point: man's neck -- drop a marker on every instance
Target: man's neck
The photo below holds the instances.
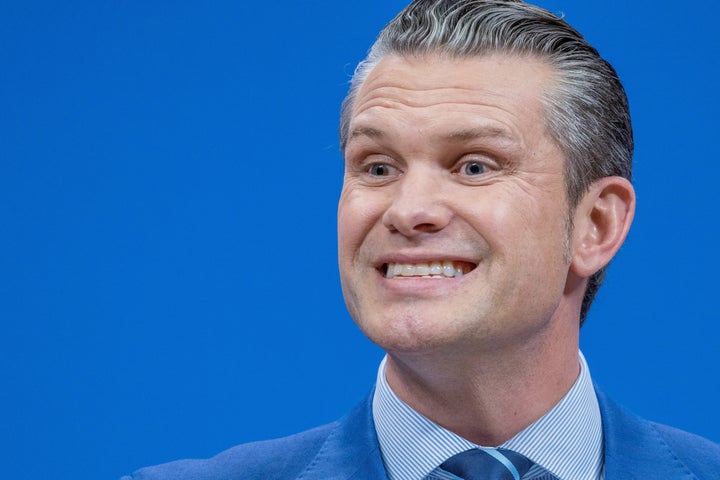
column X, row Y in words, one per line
column 490, row 397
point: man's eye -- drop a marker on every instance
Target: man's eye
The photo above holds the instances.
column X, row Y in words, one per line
column 474, row 168
column 379, row 170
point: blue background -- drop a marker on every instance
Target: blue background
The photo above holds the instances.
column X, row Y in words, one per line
column 169, row 173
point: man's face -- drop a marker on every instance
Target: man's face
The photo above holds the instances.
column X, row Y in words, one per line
column 453, row 214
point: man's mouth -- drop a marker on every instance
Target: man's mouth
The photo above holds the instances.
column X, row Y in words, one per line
column 438, row 269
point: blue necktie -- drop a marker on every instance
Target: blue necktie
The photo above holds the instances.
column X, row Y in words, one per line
column 488, row 464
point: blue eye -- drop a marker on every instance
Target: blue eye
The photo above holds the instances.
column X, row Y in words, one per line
column 474, row 168
column 379, row 170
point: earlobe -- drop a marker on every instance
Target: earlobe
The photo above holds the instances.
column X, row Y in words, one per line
column 601, row 223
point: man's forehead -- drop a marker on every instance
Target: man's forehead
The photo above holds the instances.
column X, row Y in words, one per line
column 516, row 81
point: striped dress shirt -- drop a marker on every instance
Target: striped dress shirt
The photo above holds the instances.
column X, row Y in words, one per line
column 566, row 443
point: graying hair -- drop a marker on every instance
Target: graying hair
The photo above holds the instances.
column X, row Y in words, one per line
column 587, row 111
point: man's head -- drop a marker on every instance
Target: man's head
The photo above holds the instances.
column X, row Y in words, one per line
column 585, row 111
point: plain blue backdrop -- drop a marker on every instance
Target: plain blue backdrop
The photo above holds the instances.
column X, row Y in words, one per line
column 169, row 173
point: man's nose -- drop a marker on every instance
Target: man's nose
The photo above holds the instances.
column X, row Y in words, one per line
column 418, row 204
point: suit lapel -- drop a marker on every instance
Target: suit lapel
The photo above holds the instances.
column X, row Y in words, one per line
column 634, row 450
column 351, row 451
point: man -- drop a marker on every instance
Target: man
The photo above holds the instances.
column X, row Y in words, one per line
column 487, row 185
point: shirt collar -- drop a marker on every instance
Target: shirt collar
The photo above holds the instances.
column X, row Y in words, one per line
column 567, row 441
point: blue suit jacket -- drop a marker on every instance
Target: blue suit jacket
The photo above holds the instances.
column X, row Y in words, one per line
column 348, row 450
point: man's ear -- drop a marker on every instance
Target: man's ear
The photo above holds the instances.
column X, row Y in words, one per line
column 601, row 222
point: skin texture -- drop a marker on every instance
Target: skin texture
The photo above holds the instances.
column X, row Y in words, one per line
column 449, row 159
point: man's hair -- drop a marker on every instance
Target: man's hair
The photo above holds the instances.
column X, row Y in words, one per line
column 587, row 111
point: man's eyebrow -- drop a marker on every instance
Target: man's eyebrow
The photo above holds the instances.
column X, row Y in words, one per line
column 363, row 131
column 465, row 134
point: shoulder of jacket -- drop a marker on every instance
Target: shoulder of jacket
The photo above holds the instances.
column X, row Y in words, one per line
column 280, row 458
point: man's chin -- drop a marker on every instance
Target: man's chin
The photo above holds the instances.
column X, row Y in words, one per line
column 409, row 335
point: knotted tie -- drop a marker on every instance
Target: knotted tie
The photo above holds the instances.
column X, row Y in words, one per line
column 488, row 464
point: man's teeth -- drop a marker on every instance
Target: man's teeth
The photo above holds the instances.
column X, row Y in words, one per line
column 428, row 270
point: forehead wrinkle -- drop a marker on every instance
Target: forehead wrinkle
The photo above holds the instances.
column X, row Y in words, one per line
column 389, row 95
column 483, row 128
column 393, row 97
